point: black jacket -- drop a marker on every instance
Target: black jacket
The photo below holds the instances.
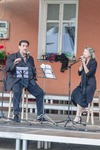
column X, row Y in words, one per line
column 11, row 78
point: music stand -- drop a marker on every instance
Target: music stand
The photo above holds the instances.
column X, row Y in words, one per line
column 22, row 72
column 47, row 72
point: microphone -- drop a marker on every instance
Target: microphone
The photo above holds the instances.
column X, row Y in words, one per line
column 81, row 57
column 28, row 54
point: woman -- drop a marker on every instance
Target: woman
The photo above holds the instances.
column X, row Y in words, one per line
column 83, row 94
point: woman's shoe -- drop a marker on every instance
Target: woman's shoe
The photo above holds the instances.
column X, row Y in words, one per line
column 78, row 120
column 84, row 113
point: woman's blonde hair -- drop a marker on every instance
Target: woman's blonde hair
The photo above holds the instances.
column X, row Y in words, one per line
column 91, row 52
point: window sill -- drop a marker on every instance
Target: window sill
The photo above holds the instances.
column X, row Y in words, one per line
column 43, row 60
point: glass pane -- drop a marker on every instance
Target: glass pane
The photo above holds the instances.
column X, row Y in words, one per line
column 52, row 38
column 53, row 12
column 68, row 37
column 69, row 12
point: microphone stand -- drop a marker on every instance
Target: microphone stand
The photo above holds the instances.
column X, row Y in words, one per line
column 3, row 80
column 69, row 94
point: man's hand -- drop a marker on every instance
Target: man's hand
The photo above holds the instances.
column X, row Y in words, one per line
column 17, row 60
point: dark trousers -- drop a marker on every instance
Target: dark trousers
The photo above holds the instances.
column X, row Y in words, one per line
column 35, row 90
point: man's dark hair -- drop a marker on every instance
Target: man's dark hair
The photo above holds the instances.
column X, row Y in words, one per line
column 24, row 41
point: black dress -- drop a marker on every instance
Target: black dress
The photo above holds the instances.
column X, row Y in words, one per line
column 84, row 92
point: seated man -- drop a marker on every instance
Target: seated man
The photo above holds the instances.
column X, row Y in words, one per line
column 22, row 59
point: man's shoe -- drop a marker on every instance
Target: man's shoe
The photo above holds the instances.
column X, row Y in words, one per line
column 16, row 118
column 40, row 119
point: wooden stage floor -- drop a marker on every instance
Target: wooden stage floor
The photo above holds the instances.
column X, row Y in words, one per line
column 48, row 132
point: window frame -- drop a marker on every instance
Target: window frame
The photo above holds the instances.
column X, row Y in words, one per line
column 42, row 24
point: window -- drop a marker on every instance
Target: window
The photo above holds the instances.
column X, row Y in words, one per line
column 57, row 27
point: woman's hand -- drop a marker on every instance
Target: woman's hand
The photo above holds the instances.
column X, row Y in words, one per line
column 83, row 59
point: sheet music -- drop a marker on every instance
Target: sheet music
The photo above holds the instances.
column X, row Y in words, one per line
column 48, row 72
column 22, row 72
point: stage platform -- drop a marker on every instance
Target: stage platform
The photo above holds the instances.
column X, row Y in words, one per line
column 47, row 132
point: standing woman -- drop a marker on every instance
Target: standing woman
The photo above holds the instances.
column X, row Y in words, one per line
column 83, row 94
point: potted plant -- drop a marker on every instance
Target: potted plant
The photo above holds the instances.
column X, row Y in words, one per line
column 3, row 55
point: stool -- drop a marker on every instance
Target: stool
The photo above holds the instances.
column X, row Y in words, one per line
column 90, row 113
column 91, row 109
column 24, row 104
column 24, row 95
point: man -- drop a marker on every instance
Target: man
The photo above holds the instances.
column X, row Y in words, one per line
column 22, row 59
